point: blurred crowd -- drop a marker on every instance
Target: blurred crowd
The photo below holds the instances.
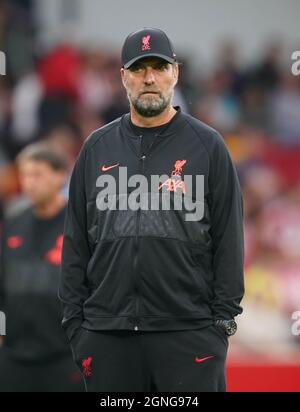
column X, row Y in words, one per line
column 61, row 95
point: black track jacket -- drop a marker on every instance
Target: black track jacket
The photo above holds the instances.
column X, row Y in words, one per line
column 152, row 269
column 29, row 276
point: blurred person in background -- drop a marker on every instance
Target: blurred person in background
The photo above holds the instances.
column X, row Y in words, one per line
column 17, row 29
column 272, row 238
column 64, row 139
column 94, row 84
column 219, row 106
column 285, row 110
column 266, row 74
column 35, row 356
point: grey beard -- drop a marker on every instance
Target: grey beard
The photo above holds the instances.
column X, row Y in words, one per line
column 151, row 108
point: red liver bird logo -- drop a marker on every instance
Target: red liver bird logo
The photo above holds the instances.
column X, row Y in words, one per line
column 178, row 167
column 146, row 43
column 86, row 366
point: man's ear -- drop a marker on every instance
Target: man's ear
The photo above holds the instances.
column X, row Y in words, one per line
column 175, row 73
column 122, row 72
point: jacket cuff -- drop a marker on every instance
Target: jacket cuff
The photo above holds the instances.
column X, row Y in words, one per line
column 222, row 315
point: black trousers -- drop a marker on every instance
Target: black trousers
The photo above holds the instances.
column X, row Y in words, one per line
column 168, row 361
column 59, row 375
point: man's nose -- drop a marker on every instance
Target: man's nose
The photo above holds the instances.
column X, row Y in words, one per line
column 149, row 76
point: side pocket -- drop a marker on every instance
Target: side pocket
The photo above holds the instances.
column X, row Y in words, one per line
column 201, row 258
column 200, row 285
column 221, row 333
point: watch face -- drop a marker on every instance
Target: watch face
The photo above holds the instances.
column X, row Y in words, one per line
column 231, row 327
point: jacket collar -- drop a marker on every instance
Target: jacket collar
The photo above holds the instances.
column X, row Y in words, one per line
column 171, row 127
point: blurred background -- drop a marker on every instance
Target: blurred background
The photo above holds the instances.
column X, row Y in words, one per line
column 62, row 81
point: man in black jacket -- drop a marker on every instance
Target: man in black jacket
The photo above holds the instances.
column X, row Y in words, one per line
column 152, row 265
column 35, row 356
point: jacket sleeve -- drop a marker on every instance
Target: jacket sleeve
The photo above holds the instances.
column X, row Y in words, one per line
column 227, row 233
column 73, row 290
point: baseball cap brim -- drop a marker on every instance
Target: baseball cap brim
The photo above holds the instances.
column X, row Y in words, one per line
column 162, row 56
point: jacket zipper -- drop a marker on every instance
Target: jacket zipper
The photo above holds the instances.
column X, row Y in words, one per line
column 142, row 160
column 135, row 263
